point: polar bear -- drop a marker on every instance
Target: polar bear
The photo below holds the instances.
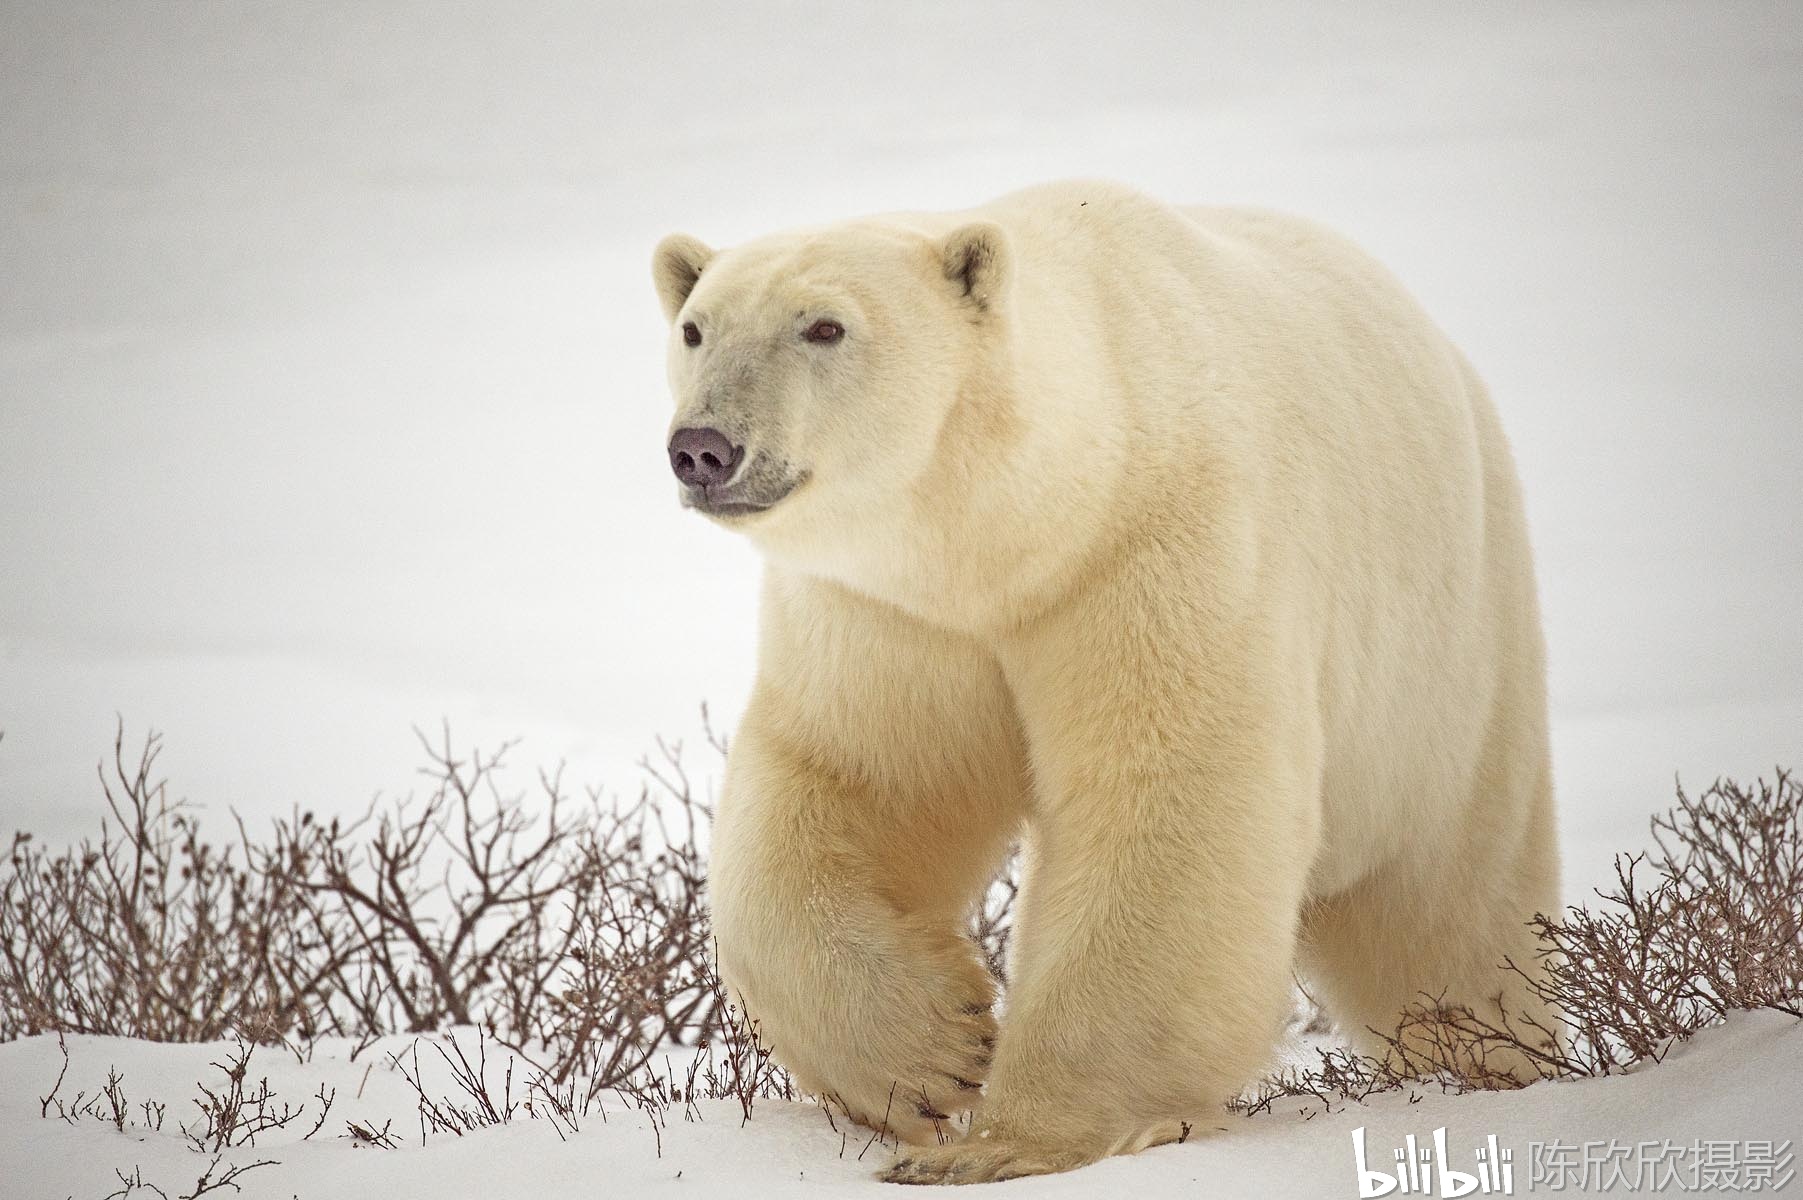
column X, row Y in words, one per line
column 1176, row 543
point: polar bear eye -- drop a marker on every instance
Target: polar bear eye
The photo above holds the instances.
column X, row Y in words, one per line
column 824, row 331
column 690, row 334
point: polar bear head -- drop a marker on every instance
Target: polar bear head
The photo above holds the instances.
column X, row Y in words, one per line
column 813, row 372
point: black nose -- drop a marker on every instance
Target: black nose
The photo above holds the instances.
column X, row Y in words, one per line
column 703, row 457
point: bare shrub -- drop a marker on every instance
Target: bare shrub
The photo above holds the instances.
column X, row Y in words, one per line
column 1718, row 927
column 106, row 1103
column 573, row 931
column 637, row 966
column 574, row 927
column 476, row 1107
column 736, row 1065
column 215, row 1179
column 729, row 1064
column 432, row 902
column 569, row 929
column 233, row 1114
column 147, row 931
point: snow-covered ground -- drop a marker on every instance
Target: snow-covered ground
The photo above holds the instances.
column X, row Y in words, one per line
column 1733, row 1086
column 331, row 397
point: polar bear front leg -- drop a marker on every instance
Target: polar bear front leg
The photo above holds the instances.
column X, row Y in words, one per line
column 868, row 1000
column 1167, row 854
column 872, row 788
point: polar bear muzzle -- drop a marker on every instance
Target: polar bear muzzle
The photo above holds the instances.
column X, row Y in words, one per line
column 720, row 479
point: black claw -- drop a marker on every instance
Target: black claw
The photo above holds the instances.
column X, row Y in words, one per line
column 902, row 1172
column 931, row 1113
column 965, row 1084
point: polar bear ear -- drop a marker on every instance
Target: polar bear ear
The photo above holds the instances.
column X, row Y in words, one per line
column 975, row 257
column 675, row 266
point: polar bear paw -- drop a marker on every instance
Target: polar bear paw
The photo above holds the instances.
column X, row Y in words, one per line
column 920, row 1075
column 977, row 1160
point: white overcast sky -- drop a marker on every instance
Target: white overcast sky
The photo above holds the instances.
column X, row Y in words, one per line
column 331, row 395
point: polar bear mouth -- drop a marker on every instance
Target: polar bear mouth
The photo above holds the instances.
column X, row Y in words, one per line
column 743, row 497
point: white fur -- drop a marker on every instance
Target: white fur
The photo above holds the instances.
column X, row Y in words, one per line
column 1178, row 542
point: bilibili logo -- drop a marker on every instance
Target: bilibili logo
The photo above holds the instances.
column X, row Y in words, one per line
column 1429, row 1171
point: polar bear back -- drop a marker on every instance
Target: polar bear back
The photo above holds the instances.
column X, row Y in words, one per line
column 1272, row 359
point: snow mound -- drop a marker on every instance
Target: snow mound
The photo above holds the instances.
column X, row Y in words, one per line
column 1741, row 1082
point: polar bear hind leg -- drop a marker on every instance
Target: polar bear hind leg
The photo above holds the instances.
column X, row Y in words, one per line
column 1438, row 928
